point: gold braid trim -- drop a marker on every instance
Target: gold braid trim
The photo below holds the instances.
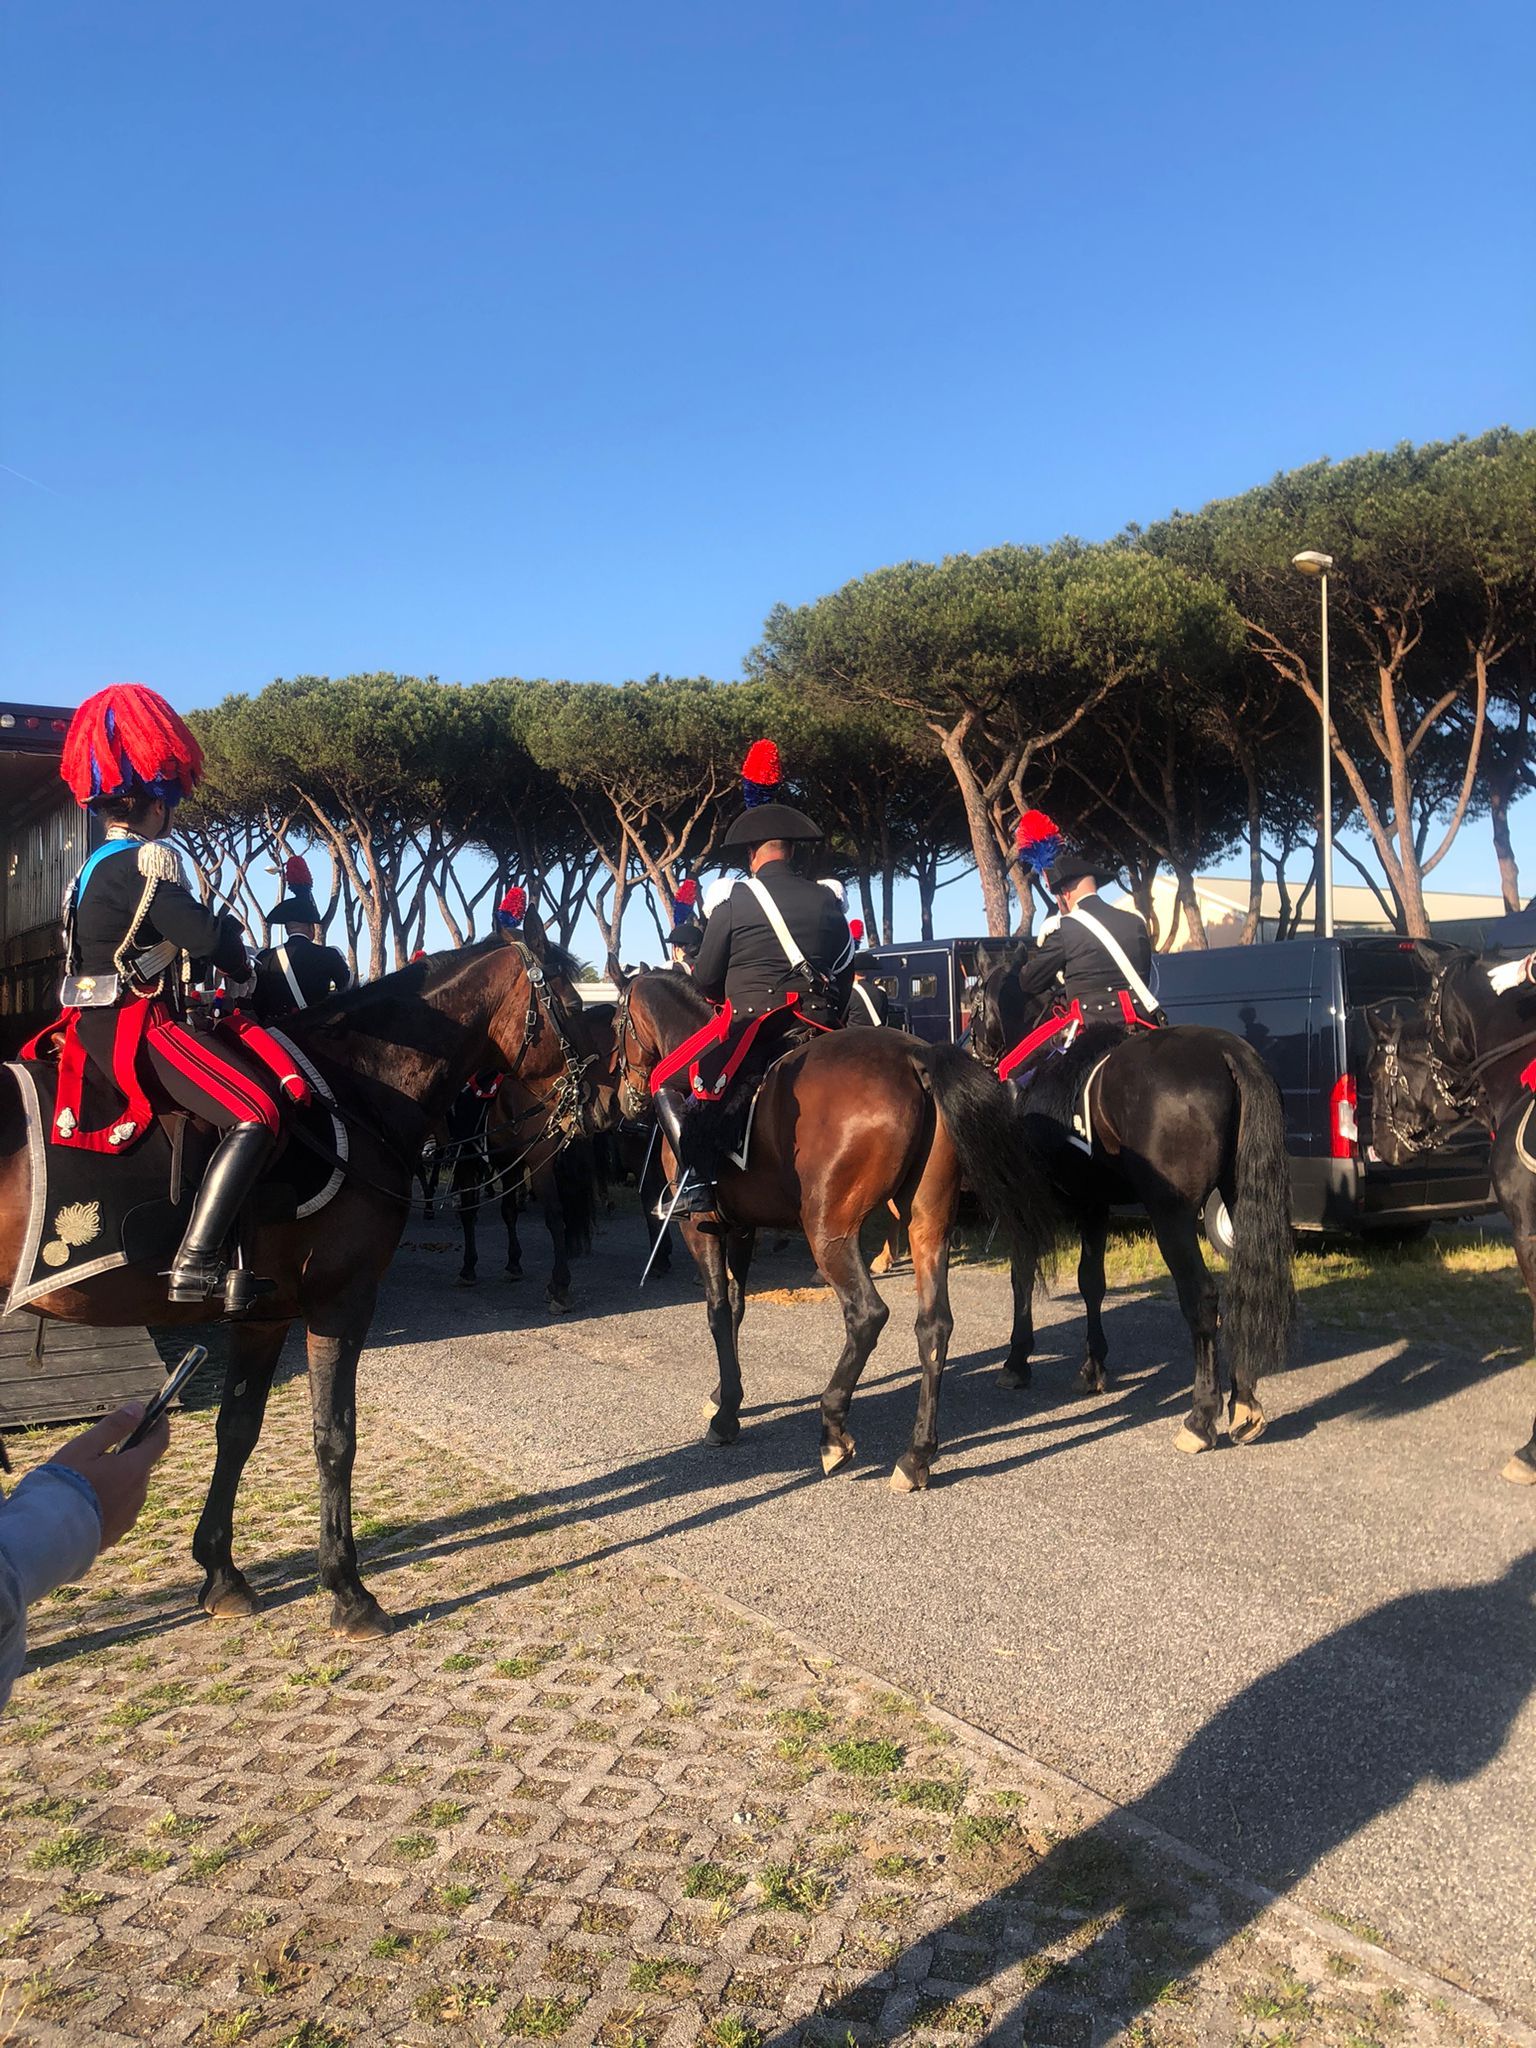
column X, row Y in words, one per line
column 156, row 864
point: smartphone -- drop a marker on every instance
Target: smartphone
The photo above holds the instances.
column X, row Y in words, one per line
column 175, row 1380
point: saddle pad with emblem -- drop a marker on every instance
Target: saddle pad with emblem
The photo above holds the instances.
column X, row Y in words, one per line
column 89, row 1212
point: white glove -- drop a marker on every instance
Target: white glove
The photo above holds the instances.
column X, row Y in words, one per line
column 1510, row 974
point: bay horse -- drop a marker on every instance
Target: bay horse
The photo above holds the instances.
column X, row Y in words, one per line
column 394, row 1052
column 1462, row 1053
column 1177, row 1115
column 853, row 1123
column 503, row 1145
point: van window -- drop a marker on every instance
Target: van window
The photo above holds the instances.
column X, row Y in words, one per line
column 925, row 987
column 891, row 983
column 1378, row 974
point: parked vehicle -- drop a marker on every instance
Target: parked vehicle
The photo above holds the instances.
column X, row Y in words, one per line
column 44, row 836
column 1301, row 1004
column 930, row 984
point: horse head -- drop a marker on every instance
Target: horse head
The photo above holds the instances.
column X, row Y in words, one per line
column 1422, row 1083
column 657, row 1009
column 997, row 1013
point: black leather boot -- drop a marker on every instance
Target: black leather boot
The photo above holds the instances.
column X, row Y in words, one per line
column 197, row 1271
column 689, row 1195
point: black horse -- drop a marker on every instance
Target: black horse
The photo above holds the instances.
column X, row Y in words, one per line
column 1173, row 1117
column 1460, row 1054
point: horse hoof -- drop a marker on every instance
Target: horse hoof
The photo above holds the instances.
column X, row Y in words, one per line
column 709, row 1410
column 465, row 1280
column 1519, row 1472
column 1011, row 1380
column 1249, row 1423
column 834, row 1456
column 557, row 1303
column 1189, row 1442
column 233, row 1603
column 360, row 1623
column 903, row 1481
column 512, row 1273
column 722, row 1434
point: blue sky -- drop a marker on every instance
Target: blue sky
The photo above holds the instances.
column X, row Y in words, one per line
column 484, row 339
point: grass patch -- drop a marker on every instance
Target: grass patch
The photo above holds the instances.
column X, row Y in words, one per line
column 802, row 1720
column 69, row 1849
column 937, row 1795
column 541, row 2019
column 415, row 1848
column 791, row 1888
column 442, row 1813
column 708, row 1880
column 664, row 1974
column 866, row 1757
column 732, row 2031
column 461, row 1660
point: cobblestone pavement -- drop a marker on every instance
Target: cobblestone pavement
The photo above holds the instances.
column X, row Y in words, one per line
column 584, row 1802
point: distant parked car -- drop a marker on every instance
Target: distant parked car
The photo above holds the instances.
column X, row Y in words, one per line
column 1301, row 1004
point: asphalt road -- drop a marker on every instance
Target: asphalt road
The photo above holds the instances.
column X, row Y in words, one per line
column 1313, row 1658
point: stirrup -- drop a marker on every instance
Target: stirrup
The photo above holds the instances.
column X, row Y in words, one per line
column 687, row 1196
column 198, row 1278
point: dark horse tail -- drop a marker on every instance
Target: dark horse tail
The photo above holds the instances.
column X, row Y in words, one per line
column 977, row 1111
column 1259, row 1303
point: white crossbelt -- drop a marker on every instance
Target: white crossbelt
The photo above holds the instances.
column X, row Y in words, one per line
column 867, row 1000
column 280, row 955
column 1117, row 953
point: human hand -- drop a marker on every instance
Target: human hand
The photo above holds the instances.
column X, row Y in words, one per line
column 120, row 1479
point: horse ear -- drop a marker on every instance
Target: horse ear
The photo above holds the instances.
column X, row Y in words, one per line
column 1429, row 956
column 533, row 934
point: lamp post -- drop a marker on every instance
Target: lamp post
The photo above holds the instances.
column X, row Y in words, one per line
column 1311, row 563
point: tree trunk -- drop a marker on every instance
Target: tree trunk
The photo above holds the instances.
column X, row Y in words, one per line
column 867, row 900
column 984, row 847
column 1189, row 903
column 1503, row 845
column 1251, row 923
column 927, row 885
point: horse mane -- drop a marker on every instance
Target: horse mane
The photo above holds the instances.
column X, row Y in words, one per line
column 373, row 1007
column 673, row 998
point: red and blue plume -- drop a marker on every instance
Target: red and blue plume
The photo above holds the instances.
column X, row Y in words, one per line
column 1038, row 839
column 686, row 894
column 856, row 930
column 127, row 739
column 512, row 908
column 761, row 774
column 296, row 872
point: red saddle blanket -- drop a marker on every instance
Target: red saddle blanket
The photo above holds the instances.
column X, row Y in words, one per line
column 717, row 1032
column 1070, row 1020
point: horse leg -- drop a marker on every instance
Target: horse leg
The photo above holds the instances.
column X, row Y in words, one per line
column 722, row 1411
column 558, row 1293
column 336, row 1336
column 1521, row 1468
column 513, row 1269
column 1090, row 1285
column 841, row 1264
column 253, row 1354
column 1178, row 1239
column 469, row 1208
column 928, row 1239
column 1021, row 1341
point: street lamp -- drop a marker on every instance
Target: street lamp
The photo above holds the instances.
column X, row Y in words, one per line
column 1311, row 563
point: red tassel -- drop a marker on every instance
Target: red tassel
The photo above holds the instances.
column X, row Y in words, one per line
column 762, row 763
column 856, row 929
column 296, row 872
column 515, row 902
column 687, row 894
column 145, row 742
column 1035, row 826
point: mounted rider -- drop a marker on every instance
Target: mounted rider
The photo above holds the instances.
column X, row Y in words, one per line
column 777, row 955
column 1094, row 962
column 687, row 933
column 869, row 1005
column 300, row 969
column 136, row 938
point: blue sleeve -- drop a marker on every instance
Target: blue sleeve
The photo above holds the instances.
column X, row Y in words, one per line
column 50, row 1532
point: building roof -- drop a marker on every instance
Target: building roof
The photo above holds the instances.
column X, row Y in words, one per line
column 1223, row 901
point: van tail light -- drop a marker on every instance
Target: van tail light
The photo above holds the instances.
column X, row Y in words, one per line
column 1343, row 1126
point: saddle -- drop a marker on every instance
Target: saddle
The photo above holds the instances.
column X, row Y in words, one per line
column 91, row 1210
column 723, row 1087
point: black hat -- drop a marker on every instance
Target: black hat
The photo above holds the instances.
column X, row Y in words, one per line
column 299, row 908
column 687, row 935
column 865, row 963
column 764, row 817
column 1075, row 867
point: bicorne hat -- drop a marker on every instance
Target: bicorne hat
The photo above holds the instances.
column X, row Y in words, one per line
column 298, row 906
column 764, row 816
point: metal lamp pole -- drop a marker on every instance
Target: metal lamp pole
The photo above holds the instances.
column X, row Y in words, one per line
column 1311, row 563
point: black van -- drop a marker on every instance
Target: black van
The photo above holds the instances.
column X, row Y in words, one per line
column 1301, row 1005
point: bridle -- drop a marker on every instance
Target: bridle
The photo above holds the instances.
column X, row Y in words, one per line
column 1454, row 1088
column 564, row 1108
column 634, row 1094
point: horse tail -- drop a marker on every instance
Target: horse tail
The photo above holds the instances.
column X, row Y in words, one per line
column 1260, row 1295
column 978, row 1113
